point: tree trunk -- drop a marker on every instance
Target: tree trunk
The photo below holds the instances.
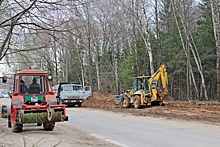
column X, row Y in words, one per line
column 194, row 55
column 216, row 27
column 158, row 35
column 147, row 41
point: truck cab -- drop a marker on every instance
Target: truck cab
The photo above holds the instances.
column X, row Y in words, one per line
column 74, row 94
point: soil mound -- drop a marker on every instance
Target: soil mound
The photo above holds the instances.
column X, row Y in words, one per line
column 203, row 111
column 98, row 100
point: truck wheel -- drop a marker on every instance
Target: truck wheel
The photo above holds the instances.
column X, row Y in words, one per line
column 3, row 111
column 17, row 128
column 79, row 104
column 39, row 124
column 126, row 102
column 137, row 102
column 49, row 126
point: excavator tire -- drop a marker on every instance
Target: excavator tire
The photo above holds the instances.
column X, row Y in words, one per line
column 137, row 102
column 126, row 102
column 156, row 103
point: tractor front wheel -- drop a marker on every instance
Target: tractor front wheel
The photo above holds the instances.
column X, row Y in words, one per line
column 49, row 126
column 17, row 128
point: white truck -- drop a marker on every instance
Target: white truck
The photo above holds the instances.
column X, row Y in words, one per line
column 74, row 94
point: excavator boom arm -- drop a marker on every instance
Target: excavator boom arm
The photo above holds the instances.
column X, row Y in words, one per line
column 160, row 74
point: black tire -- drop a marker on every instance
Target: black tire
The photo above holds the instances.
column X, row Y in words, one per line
column 39, row 124
column 72, row 105
column 9, row 121
column 17, row 128
column 155, row 103
column 126, row 102
column 9, row 117
column 137, row 102
column 49, row 126
column 79, row 104
column 4, row 109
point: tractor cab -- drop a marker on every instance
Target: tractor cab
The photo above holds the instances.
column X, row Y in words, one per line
column 32, row 82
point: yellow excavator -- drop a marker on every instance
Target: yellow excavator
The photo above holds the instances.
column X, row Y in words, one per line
column 147, row 90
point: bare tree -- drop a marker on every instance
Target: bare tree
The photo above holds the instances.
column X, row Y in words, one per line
column 216, row 25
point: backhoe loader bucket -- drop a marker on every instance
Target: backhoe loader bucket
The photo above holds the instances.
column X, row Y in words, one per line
column 117, row 99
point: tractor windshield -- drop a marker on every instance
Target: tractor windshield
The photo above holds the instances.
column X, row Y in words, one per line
column 32, row 85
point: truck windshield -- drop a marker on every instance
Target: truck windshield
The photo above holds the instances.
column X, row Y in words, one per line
column 71, row 88
column 67, row 88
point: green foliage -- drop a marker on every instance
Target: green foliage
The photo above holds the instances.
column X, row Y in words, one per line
column 204, row 37
column 126, row 71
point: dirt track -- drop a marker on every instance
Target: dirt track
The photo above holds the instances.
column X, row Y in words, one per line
column 206, row 111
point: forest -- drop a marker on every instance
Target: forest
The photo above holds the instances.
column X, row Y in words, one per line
column 105, row 43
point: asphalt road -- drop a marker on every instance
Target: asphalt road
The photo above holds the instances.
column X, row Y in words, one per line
column 137, row 131
column 5, row 101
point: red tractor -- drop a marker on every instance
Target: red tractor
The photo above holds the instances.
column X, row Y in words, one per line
column 34, row 102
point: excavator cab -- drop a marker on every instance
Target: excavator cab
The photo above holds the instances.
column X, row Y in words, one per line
column 141, row 83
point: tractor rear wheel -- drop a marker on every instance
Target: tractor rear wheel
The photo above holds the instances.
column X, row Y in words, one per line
column 137, row 102
column 126, row 102
column 49, row 126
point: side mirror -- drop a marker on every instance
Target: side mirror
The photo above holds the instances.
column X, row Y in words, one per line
column 4, row 79
column 50, row 77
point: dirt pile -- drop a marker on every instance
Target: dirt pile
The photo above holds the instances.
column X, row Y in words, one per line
column 203, row 111
column 98, row 100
